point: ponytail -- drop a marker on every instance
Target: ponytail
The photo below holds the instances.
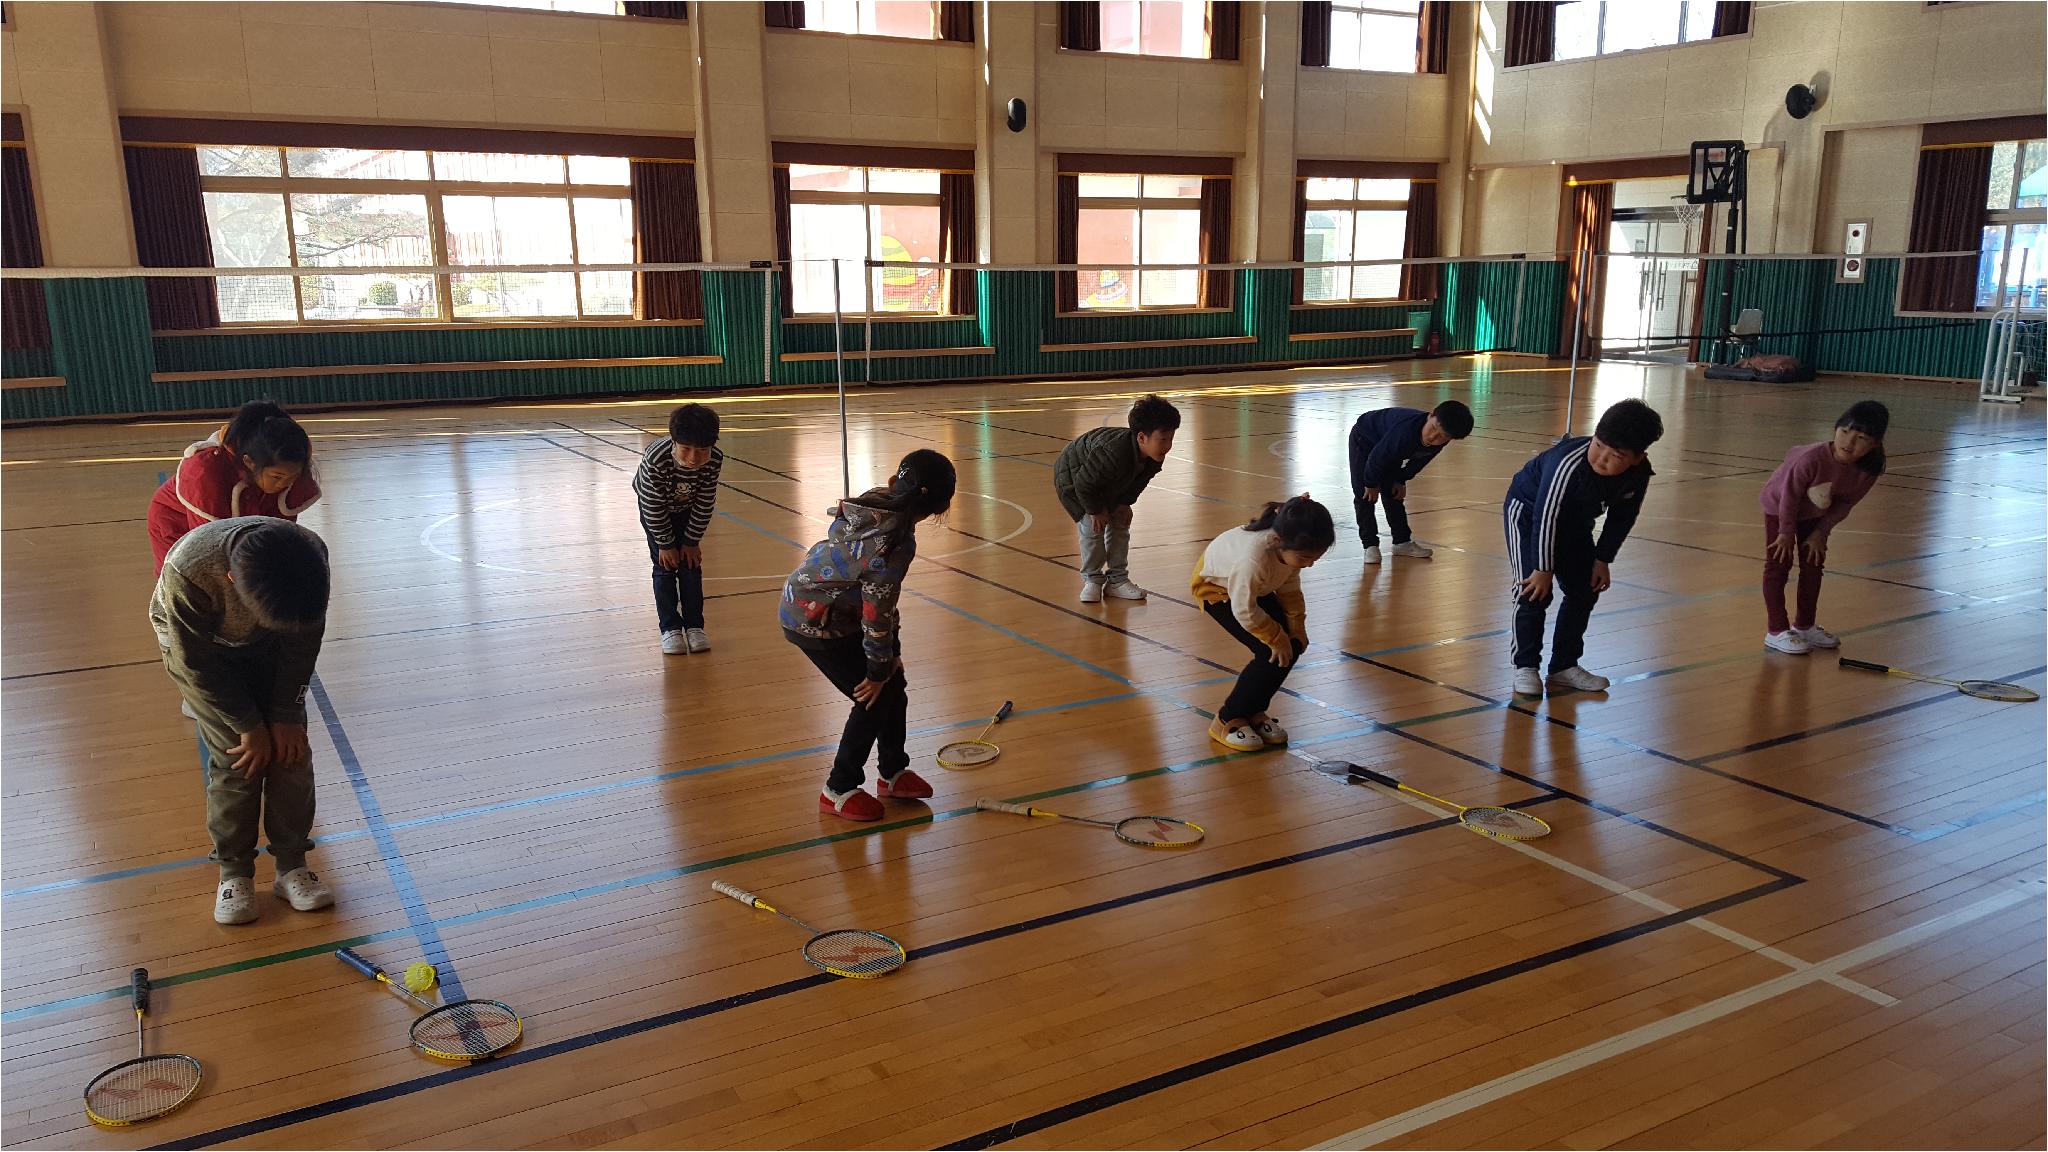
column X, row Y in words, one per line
column 923, row 486
column 1301, row 524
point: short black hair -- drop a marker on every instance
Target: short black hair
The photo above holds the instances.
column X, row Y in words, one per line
column 1153, row 414
column 247, row 419
column 1631, row 426
column 1454, row 418
column 693, row 424
column 280, row 572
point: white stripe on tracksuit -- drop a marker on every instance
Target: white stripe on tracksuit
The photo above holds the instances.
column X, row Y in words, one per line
column 1553, row 506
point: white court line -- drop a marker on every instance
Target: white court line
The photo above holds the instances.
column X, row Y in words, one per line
column 1479, row 1095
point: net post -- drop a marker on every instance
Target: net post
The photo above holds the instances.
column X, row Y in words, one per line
column 1515, row 321
column 839, row 362
column 1578, row 321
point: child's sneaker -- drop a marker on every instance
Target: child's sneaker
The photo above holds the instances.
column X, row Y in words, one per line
column 1817, row 637
column 697, row 640
column 1372, row 554
column 304, row 889
column 905, row 785
column 1269, row 729
column 1237, row 736
column 674, row 642
column 1125, row 590
column 1091, row 592
column 235, row 903
column 853, row 805
column 1578, row 679
column 1789, row 641
column 1528, row 682
column 1412, row 549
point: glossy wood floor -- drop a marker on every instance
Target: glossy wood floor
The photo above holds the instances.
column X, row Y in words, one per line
column 1785, row 904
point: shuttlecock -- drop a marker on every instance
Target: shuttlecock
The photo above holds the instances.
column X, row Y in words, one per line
column 419, row 978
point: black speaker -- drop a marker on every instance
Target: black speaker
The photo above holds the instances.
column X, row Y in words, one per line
column 1800, row 101
column 1014, row 115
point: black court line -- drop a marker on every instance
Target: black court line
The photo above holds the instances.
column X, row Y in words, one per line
column 85, row 668
column 73, row 524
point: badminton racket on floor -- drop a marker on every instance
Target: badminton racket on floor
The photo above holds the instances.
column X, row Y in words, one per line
column 146, row 1087
column 976, row 752
column 854, row 953
column 1487, row 820
column 1144, row 831
column 1982, row 689
column 464, row 1030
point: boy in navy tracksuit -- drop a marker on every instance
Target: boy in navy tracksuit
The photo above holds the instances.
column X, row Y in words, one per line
column 1551, row 505
column 1390, row 447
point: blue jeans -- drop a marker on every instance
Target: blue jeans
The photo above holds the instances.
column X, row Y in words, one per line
column 678, row 595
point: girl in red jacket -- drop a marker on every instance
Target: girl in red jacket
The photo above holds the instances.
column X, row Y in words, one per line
column 260, row 463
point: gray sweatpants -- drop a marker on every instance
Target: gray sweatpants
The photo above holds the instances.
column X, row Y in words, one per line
column 1106, row 554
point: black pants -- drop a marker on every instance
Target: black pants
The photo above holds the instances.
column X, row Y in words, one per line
column 1571, row 575
column 678, row 595
column 1261, row 678
column 1368, row 521
column 845, row 664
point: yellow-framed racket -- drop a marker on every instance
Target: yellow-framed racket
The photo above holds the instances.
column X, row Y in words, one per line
column 146, row 1087
column 854, row 953
column 1143, row 831
column 976, row 752
column 1486, row 819
column 463, row 1031
column 1981, row 689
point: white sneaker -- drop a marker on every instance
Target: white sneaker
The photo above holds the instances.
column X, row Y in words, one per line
column 1528, row 682
column 1788, row 641
column 236, row 901
column 304, row 889
column 1372, row 554
column 1091, row 592
column 1269, row 730
column 697, row 639
column 674, row 643
column 1412, row 549
column 1817, row 637
column 1125, row 590
column 1578, row 679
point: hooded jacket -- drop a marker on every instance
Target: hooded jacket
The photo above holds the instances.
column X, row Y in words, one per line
column 848, row 582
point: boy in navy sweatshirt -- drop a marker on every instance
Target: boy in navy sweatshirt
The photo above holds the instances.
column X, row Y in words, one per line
column 1551, row 505
column 1390, row 447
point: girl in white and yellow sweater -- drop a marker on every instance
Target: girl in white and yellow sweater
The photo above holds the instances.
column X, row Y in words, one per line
column 1249, row 581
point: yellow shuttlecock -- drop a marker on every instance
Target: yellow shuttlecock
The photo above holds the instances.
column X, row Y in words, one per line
column 419, row 978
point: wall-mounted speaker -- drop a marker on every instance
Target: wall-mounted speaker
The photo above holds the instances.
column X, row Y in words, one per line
column 1014, row 115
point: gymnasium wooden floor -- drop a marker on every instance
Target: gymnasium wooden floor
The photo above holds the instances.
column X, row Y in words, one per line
column 1784, row 905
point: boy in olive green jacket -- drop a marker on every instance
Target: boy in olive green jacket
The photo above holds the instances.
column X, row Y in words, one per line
column 1098, row 477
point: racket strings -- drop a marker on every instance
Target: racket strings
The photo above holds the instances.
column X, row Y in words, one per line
column 1998, row 690
column 1158, row 832
column 1504, row 823
column 968, row 753
column 851, row 952
column 467, row 1029
column 142, row 1089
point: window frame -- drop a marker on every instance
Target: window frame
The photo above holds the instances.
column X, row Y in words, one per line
column 1600, row 50
column 433, row 189
column 1208, row 39
column 866, row 199
column 2005, row 219
column 1139, row 203
column 1371, row 8
column 1355, row 206
column 859, row 5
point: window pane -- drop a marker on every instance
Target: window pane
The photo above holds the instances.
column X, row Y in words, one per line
column 1578, row 29
column 1380, row 236
column 498, row 167
column 607, row 293
column 897, row 18
column 903, row 180
column 831, row 16
column 1119, row 25
column 819, row 232
column 2033, row 190
column 1699, row 21
column 356, row 163
column 342, row 229
column 2027, row 252
column 248, row 232
column 1383, row 190
column 600, row 170
column 1641, row 24
column 1107, row 236
column 604, row 230
column 2004, row 157
column 1330, row 188
column 238, row 161
column 509, row 230
column 1387, row 43
column 1098, row 185
column 372, row 297
column 1989, row 263
column 824, row 178
column 1326, row 236
column 1173, row 28
column 1345, row 48
column 1173, row 187
column 1170, row 236
column 906, row 232
column 602, row 7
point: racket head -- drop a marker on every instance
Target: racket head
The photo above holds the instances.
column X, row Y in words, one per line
column 968, row 754
column 1503, row 823
column 1159, row 832
column 1997, row 690
column 467, row 1030
column 142, row 1089
column 855, row 953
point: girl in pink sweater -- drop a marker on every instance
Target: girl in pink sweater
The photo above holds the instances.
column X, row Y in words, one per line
column 1810, row 493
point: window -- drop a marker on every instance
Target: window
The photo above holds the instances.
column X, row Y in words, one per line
column 1354, row 220
column 1137, row 221
column 345, row 208
column 601, row 7
column 1157, row 28
column 1602, row 27
column 917, row 19
column 2009, row 271
column 856, row 214
column 1374, row 35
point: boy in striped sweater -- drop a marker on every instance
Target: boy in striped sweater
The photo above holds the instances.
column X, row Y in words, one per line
column 677, row 484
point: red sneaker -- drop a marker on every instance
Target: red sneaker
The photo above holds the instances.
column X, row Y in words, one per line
column 905, row 785
column 855, row 805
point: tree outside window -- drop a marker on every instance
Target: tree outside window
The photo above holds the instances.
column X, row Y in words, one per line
column 2010, row 271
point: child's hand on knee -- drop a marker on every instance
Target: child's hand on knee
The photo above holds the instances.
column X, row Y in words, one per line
column 692, row 556
column 253, row 755
column 288, row 745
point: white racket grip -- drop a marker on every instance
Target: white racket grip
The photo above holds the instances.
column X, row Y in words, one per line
column 736, row 892
column 987, row 805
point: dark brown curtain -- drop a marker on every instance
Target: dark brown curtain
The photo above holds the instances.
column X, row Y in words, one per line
column 1433, row 37
column 780, row 172
column 658, row 9
column 1532, row 32
column 1081, row 25
column 1731, row 19
column 1298, row 250
column 1592, row 216
column 24, row 321
column 1224, row 19
column 1067, row 241
column 665, row 232
column 1419, row 281
column 956, row 20
column 1215, row 290
column 170, row 232
column 779, row 14
column 956, row 224
column 1948, row 216
column 1315, row 33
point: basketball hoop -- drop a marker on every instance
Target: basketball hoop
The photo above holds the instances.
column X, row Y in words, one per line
column 1688, row 213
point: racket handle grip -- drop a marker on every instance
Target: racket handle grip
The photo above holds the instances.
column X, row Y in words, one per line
column 138, row 987
column 1363, row 772
column 1003, row 713
column 1865, row 665
column 348, row 956
column 736, row 892
column 987, row 805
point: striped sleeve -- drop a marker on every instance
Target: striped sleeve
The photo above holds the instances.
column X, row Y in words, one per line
column 703, row 497
column 652, row 483
column 1550, row 506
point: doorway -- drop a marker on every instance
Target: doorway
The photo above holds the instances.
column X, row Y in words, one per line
column 1648, row 301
